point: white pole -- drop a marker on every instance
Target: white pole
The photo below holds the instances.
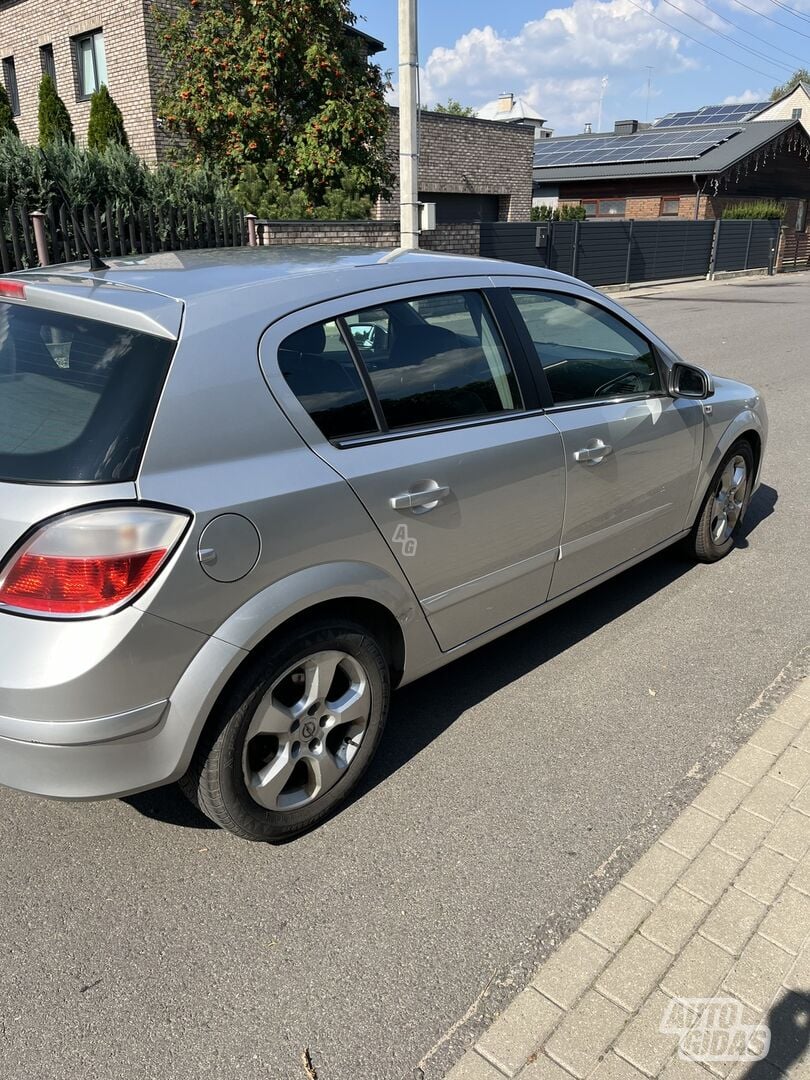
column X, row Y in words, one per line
column 603, row 87
column 408, row 122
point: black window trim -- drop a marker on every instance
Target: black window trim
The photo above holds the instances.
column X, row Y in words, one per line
column 47, row 61
column 539, row 373
column 11, row 84
column 521, row 369
column 81, row 94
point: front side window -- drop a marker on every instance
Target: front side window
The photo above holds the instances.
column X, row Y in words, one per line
column 435, row 358
column 604, row 208
column 670, row 206
column 10, row 80
column 586, row 353
column 91, row 62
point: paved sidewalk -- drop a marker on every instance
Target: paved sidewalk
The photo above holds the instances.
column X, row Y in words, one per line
column 718, row 907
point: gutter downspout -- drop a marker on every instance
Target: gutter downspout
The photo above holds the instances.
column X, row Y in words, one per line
column 699, row 190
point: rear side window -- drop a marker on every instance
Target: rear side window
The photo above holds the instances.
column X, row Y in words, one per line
column 77, row 396
column 434, row 359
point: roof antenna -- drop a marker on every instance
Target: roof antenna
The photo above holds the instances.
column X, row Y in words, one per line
column 96, row 263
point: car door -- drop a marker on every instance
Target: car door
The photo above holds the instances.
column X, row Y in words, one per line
column 412, row 396
column 631, row 451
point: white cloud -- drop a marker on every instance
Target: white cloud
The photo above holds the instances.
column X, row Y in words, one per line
column 746, row 97
column 590, row 38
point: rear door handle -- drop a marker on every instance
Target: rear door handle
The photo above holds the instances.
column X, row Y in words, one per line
column 593, row 453
column 425, row 499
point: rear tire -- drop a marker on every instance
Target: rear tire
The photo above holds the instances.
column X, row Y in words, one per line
column 294, row 734
column 721, row 516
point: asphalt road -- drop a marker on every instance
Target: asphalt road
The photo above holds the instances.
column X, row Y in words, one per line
column 136, row 943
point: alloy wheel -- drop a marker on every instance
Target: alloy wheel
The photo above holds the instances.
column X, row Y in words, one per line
column 729, row 499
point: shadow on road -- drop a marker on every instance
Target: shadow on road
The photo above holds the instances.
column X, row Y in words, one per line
column 789, row 1021
column 439, row 699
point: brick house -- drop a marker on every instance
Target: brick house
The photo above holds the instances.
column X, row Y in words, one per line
column 688, row 170
column 83, row 43
column 473, row 170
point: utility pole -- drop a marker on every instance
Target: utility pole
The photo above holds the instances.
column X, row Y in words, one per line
column 649, row 88
column 408, row 126
column 602, row 89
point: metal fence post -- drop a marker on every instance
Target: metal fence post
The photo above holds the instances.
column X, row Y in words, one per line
column 251, row 228
column 629, row 252
column 575, row 251
column 748, row 242
column 715, row 243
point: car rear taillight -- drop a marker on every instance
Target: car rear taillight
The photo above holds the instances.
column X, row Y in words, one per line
column 90, row 562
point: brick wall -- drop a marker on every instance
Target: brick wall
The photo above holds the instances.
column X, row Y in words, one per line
column 461, row 238
column 463, row 155
column 25, row 25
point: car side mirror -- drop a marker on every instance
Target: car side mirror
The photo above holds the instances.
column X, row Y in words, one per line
column 688, row 381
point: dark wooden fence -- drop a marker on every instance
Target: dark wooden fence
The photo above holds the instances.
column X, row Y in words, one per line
column 619, row 252
column 111, row 231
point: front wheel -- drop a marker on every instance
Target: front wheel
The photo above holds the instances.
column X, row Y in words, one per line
column 721, row 516
column 294, row 734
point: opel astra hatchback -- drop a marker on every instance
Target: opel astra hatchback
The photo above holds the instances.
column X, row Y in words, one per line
column 245, row 494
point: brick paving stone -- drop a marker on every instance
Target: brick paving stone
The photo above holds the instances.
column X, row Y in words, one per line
column 541, row 1067
column 655, row 873
column 616, row 918
column 518, row 1031
column 798, row 976
column 800, row 879
column 680, row 1069
column 691, row 832
column 795, row 710
column 749, row 1017
column 788, row 922
column 721, row 796
column 642, row 1041
column 749, row 764
column 788, row 1018
column 769, row 798
column 613, row 1067
column 756, row 975
column 802, row 801
column 790, row 835
column 586, row 1033
column 699, row 970
column 710, row 874
column 733, row 921
column 764, row 875
column 674, row 920
column 773, row 736
column 634, row 972
column 473, row 1067
column 802, row 740
column 742, row 834
column 793, row 767
column 571, row 969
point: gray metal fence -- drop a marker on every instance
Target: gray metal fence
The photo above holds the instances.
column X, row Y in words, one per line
column 617, row 252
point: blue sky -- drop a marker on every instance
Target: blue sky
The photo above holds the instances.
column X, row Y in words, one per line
column 556, row 55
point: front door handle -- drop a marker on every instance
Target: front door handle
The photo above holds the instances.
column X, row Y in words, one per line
column 425, row 499
column 593, row 453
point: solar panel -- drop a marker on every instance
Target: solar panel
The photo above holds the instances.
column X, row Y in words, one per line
column 652, row 145
column 711, row 114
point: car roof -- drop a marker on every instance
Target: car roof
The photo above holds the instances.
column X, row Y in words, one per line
column 186, row 275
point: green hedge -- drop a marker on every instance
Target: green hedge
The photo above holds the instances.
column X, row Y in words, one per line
column 764, row 209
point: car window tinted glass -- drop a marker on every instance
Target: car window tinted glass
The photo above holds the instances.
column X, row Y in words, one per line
column 77, row 396
column 320, row 371
column 436, row 358
column 587, row 353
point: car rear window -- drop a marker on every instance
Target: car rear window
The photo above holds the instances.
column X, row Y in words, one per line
column 77, row 396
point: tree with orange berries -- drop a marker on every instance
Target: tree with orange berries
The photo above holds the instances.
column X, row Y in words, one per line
column 287, row 82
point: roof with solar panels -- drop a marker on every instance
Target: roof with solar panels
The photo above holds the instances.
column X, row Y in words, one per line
column 704, row 141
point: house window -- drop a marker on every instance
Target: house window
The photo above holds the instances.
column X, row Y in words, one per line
column 604, row 208
column 796, row 114
column 669, row 206
column 10, row 80
column 46, row 61
column 91, row 63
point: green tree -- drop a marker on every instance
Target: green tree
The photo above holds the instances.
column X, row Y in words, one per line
column 106, row 122
column 801, row 75
column 54, row 119
column 251, row 82
column 454, row 108
column 6, row 115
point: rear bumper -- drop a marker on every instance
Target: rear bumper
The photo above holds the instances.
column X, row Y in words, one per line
column 85, row 750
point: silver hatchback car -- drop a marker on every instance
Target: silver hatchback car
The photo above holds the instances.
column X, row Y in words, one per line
column 245, row 494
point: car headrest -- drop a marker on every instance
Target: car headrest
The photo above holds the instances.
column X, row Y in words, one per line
column 416, row 344
column 312, row 339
